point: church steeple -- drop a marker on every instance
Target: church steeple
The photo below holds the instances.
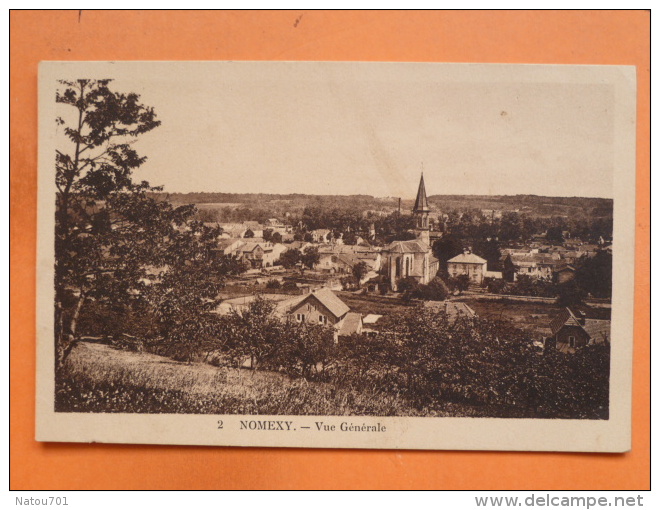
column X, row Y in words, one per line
column 421, row 203
column 421, row 212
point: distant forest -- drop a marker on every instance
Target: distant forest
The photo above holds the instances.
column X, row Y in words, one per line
column 277, row 205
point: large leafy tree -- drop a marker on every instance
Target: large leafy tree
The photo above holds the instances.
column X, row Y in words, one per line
column 105, row 223
column 115, row 239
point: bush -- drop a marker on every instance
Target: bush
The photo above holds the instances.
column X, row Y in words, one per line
column 495, row 285
column 273, row 284
column 290, row 285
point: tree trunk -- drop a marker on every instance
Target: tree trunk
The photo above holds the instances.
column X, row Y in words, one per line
column 66, row 341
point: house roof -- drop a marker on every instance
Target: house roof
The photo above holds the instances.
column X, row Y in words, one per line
column 467, row 258
column 421, row 202
column 226, row 243
column 534, row 259
column 598, row 329
column 251, row 247
column 371, row 318
column 565, row 318
column 326, row 297
column 350, row 324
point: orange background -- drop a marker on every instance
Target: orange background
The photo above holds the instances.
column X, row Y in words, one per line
column 548, row 37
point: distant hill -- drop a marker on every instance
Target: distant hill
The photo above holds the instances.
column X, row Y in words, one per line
column 532, row 205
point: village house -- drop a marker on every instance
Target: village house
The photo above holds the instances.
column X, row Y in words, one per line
column 322, row 306
column 534, row 264
column 322, row 235
column 229, row 246
column 258, row 254
column 467, row 263
column 239, row 230
column 574, row 330
column 403, row 259
column 342, row 258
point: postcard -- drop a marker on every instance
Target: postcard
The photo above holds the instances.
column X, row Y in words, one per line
column 336, row 255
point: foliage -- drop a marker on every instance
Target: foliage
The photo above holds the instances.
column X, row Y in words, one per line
column 254, row 334
column 106, row 226
column 289, row 285
column 291, row 258
column 273, row 284
column 570, row 293
column 360, row 270
column 446, row 248
column 118, row 243
column 594, row 274
column 306, row 349
column 310, row 257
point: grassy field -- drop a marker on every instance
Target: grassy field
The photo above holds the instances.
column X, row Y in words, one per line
column 373, row 303
column 532, row 317
column 101, row 378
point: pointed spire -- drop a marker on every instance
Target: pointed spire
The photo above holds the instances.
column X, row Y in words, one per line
column 421, row 203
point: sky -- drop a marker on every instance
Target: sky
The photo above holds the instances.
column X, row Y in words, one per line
column 333, row 128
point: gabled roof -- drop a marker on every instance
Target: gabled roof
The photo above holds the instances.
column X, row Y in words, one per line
column 467, row 258
column 350, row 324
column 249, row 247
column 414, row 246
column 598, row 329
column 421, row 203
column 327, row 298
column 565, row 318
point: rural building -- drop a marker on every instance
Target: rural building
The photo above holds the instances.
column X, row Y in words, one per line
column 467, row 263
column 321, row 306
column 341, row 258
column 536, row 265
column 229, row 246
column 258, row 254
column 573, row 330
column 322, row 235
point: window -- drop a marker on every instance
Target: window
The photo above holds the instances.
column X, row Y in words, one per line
column 571, row 341
column 323, row 319
column 298, row 317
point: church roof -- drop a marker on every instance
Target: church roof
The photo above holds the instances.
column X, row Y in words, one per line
column 421, row 203
column 414, row 246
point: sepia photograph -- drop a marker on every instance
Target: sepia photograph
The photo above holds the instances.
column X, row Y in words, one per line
column 317, row 254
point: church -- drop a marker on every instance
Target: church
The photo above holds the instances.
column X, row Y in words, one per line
column 414, row 258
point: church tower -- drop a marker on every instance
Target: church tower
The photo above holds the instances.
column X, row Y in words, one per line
column 421, row 212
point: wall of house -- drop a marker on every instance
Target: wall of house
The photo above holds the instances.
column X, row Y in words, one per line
column 580, row 336
column 313, row 311
column 474, row 271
